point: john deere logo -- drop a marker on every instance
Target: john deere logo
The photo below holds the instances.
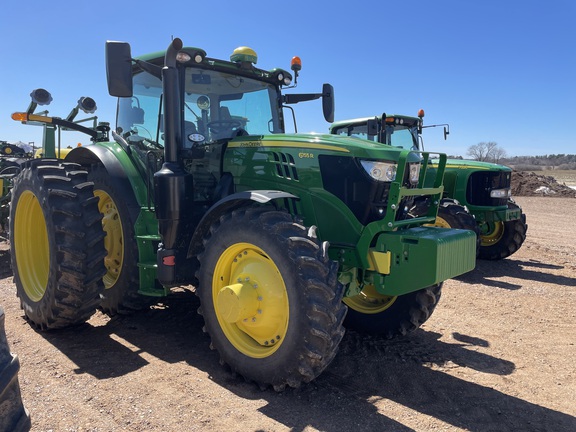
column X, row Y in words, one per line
column 251, row 144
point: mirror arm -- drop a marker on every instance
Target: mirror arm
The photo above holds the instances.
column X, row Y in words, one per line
column 149, row 67
column 300, row 97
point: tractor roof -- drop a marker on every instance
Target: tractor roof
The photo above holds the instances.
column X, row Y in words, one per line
column 243, row 64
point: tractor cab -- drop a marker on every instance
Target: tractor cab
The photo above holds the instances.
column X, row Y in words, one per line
column 394, row 130
column 211, row 100
column 216, row 106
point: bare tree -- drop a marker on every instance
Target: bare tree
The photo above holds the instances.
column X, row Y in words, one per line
column 486, row 152
column 497, row 154
column 478, row 151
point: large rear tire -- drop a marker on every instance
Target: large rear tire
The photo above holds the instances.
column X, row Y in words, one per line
column 270, row 298
column 57, row 244
column 119, row 213
column 390, row 316
column 499, row 240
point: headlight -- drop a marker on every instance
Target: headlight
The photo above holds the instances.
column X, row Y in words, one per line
column 414, row 173
column 380, row 171
column 500, row 193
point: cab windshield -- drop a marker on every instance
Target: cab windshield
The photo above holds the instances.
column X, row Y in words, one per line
column 356, row 131
column 405, row 137
column 216, row 105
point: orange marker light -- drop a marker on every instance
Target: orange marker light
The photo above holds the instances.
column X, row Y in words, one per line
column 296, row 63
column 421, row 113
column 20, row 116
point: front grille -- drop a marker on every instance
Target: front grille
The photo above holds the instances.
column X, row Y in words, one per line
column 346, row 179
column 482, row 182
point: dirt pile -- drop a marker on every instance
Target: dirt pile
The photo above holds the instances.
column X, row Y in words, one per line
column 525, row 183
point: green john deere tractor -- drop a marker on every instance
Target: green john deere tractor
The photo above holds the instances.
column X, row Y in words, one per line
column 280, row 234
column 476, row 194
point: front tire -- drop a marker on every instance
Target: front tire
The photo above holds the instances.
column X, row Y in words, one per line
column 390, row 316
column 57, row 244
column 499, row 240
column 270, row 298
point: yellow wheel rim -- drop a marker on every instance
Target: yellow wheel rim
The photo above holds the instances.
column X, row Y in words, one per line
column 31, row 245
column 250, row 300
column 441, row 223
column 114, row 240
column 369, row 301
column 494, row 236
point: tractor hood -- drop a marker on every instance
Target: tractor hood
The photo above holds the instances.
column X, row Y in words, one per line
column 354, row 147
column 471, row 164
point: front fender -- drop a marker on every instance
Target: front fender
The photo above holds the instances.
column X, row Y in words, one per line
column 227, row 204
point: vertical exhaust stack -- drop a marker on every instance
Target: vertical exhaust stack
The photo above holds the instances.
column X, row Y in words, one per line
column 172, row 103
column 173, row 186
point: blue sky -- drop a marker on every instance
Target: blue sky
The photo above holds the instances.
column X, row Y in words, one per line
column 500, row 71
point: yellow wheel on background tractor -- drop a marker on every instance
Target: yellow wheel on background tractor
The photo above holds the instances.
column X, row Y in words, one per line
column 494, row 235
column 270, row 298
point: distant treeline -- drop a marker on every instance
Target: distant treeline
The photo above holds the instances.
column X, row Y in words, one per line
column 538, row 163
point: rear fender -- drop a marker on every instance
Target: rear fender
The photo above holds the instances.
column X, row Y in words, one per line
column 118, row 164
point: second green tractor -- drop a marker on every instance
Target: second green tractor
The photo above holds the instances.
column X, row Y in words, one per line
column 477, row 195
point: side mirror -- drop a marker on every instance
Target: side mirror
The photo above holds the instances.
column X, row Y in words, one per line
column 327, row 96
column 119, row 69
column 372, row 127
column 446, row 132
column 328, row 102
